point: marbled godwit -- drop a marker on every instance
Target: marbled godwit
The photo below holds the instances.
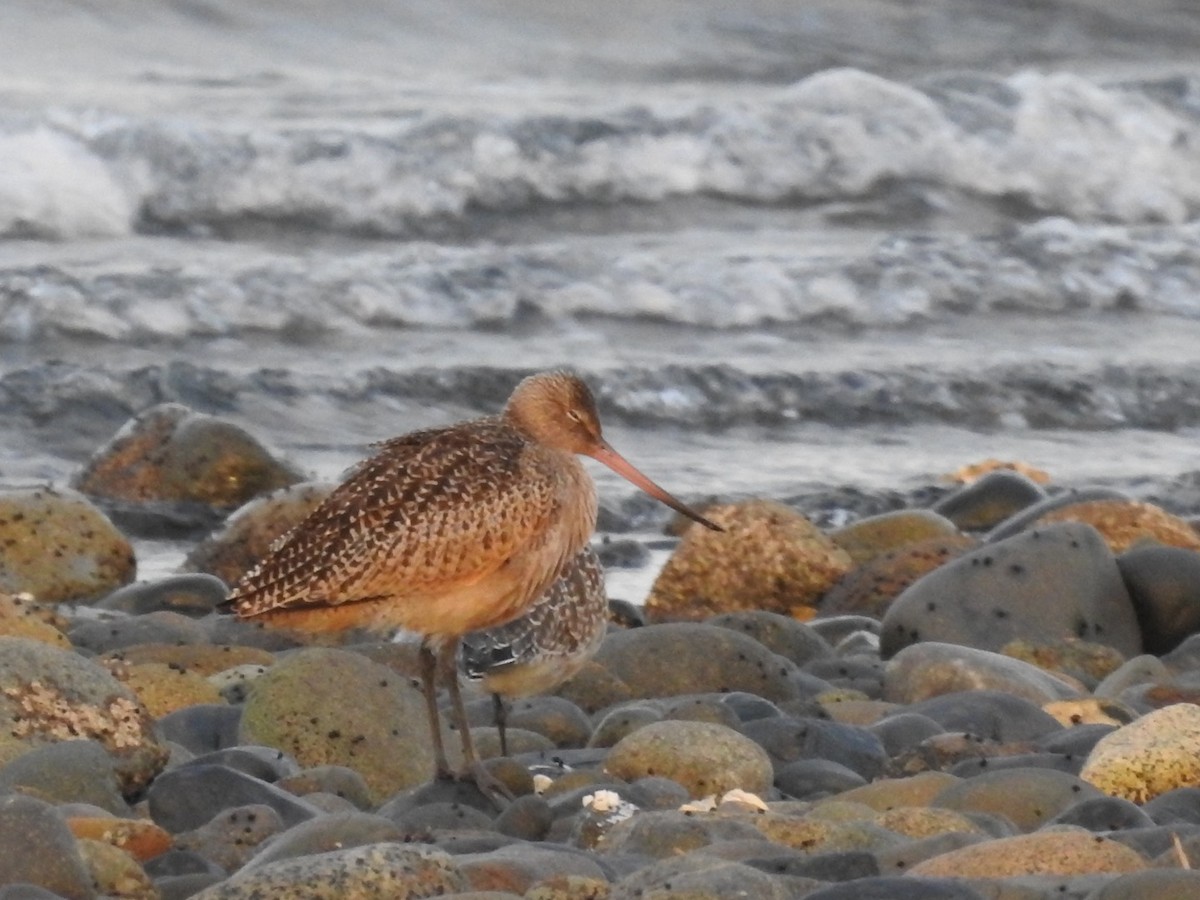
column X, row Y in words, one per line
column 447, row 531
column 547, row 645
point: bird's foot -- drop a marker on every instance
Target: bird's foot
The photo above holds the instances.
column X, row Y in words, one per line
column 478, row 775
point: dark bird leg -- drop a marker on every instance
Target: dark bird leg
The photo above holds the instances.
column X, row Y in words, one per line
column 500, row 713
column 429, row 673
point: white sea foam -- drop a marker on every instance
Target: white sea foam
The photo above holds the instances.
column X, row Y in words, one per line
column 53, row 187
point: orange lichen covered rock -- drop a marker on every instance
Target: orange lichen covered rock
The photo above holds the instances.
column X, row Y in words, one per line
column 1123, row 523
column 171, row 453
column 768, row 557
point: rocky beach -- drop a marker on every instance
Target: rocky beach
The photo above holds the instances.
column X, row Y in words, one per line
column 988, row 690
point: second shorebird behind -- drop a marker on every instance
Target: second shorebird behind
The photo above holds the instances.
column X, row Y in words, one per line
column 546, row 646
column 448, row 531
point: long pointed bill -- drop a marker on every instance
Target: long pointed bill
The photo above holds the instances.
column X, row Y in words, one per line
column 623, row 467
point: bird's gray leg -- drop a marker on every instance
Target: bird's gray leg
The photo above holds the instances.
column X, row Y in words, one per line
column 501, row 716
column 429, row 673
column 484, row 780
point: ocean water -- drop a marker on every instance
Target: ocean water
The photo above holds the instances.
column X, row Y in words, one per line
column 800, row 248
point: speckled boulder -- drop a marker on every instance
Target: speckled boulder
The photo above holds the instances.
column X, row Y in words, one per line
column 1124, row 523
column 932, row 668
column 1042, row 853
column 870, row 588
column 163, row 688
column 115, row 873
column 333, row 707
column 868, row 538
column 989, row 500
column 1150, row 756
column 50, row 695
column 373, row 870
column 171, row 453
column 55, row 545
column 691, row 657
column 1164, row 583
column 792, row 640
column 1027, row 797
column 704, row 758
column 247, row 535
column 36, row 847
column 1085, row 661
column 769, row 557
column 1052, row 582
column 21, row 616
column 204, row 659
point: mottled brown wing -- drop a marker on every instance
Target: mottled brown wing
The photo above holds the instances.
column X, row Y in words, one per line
column 431, row 509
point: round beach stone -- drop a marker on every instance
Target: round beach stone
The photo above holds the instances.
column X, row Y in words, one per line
column 192, row 795
column 893, row 887
column 704, row 758
column 1083, row 661
column 37, row 847
column 67, row 772
column 339, row 781
column 768, row 557
column 1104, row 814
column 115, row 873
column 21, row 616
column 699, row 876
column 51, row 695
column 1160, row 884
column 786, row 739
column 172, row 453
column 247, row 535
column 1041, row 853
column 518, row 867
column 1021, row 520
column 692, row 657
column 990, row 499
column 204, row 659
column 1053, row 582
column 372, row 870
column 190, row 595
column 991, row 715
column 164, row 689
column 1150, row 756
column 932, row 668
column 869, row 589
column 117, row 632
column 810, row 779
column 872, row 536
column 1027, row 797
column 55, row 545
column 333, row 707
column 1164, row 583
column 902, row 731
column 1125, row 523
column 784, row 635
column 140, row 838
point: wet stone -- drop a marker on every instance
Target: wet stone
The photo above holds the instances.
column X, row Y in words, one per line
column 108, row 635
column 67, row 772
column 789, row 739
column 37, row 848
column 1164, row 583
column 933, row 668
column 872, row 536
column 56, row 545
column 1057, row 581
column 989, row 714
column 203, row 729
column 1027, row 797
column 810, row 779
column 190, row 796
column 687, row 658
column 232, row 836
column 988, row 501
column 784, row 635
